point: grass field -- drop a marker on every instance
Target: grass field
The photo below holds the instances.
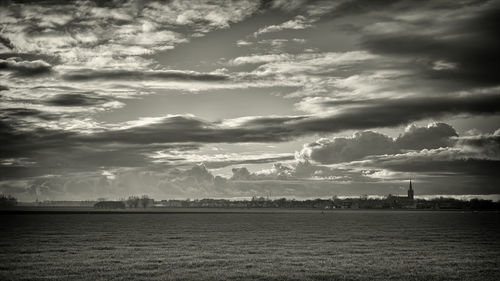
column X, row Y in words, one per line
column 348, row 245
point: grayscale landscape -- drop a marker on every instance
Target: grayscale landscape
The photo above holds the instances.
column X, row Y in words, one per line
column 249, row 140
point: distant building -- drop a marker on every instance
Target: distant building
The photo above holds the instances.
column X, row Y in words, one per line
column 171, row 203
column 109, row 205
column 401, row 202
column 410, row 192
column 50, row 203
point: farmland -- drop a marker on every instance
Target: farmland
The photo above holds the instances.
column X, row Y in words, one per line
column 345, row 245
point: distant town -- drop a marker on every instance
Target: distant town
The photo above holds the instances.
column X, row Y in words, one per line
column 361, row 202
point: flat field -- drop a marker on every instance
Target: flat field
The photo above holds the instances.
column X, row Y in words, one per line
column 338, row 245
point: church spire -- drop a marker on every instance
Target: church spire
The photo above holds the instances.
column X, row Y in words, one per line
column 410, row 192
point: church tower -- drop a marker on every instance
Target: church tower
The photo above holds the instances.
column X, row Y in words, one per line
column 410, row 192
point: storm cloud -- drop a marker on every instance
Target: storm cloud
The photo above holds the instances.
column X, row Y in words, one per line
column 75, row 99
column 89, row 75
column 21, row 68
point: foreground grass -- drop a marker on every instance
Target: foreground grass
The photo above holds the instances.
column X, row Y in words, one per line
column 333, row 246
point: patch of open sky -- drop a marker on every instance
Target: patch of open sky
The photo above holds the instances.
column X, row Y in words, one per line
column 209, row 105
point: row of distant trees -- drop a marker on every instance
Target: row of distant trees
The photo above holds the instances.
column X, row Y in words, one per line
column 139, row 201
column 132, row 202
column 7, row 200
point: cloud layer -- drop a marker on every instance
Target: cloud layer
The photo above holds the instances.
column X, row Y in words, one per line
column 98, row 98
column 367, row 162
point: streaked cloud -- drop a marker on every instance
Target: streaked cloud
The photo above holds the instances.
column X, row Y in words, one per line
column 299, row 22
column 21, row 68
column 88, row 75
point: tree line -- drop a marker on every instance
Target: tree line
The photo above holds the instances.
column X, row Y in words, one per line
column 7, row 200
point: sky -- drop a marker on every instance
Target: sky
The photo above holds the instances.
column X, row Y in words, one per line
column 232, row 99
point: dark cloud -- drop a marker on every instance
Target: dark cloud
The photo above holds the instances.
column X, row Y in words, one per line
column 394, row 112
column 188, row 128
column 19, row 142
column 25, row 68
column 351, row 7
column 58, row 151
column 76, row 99
column 88, row 75
column 88, row 157
column 428, row 164
column 435, row 135
column 12, row 114
column 6, row 42
column 49, row 58
column 469, row 44
column 486, row 146
column 367, row 143
column 55, row 152
column 4, row 88
column 338, row 150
